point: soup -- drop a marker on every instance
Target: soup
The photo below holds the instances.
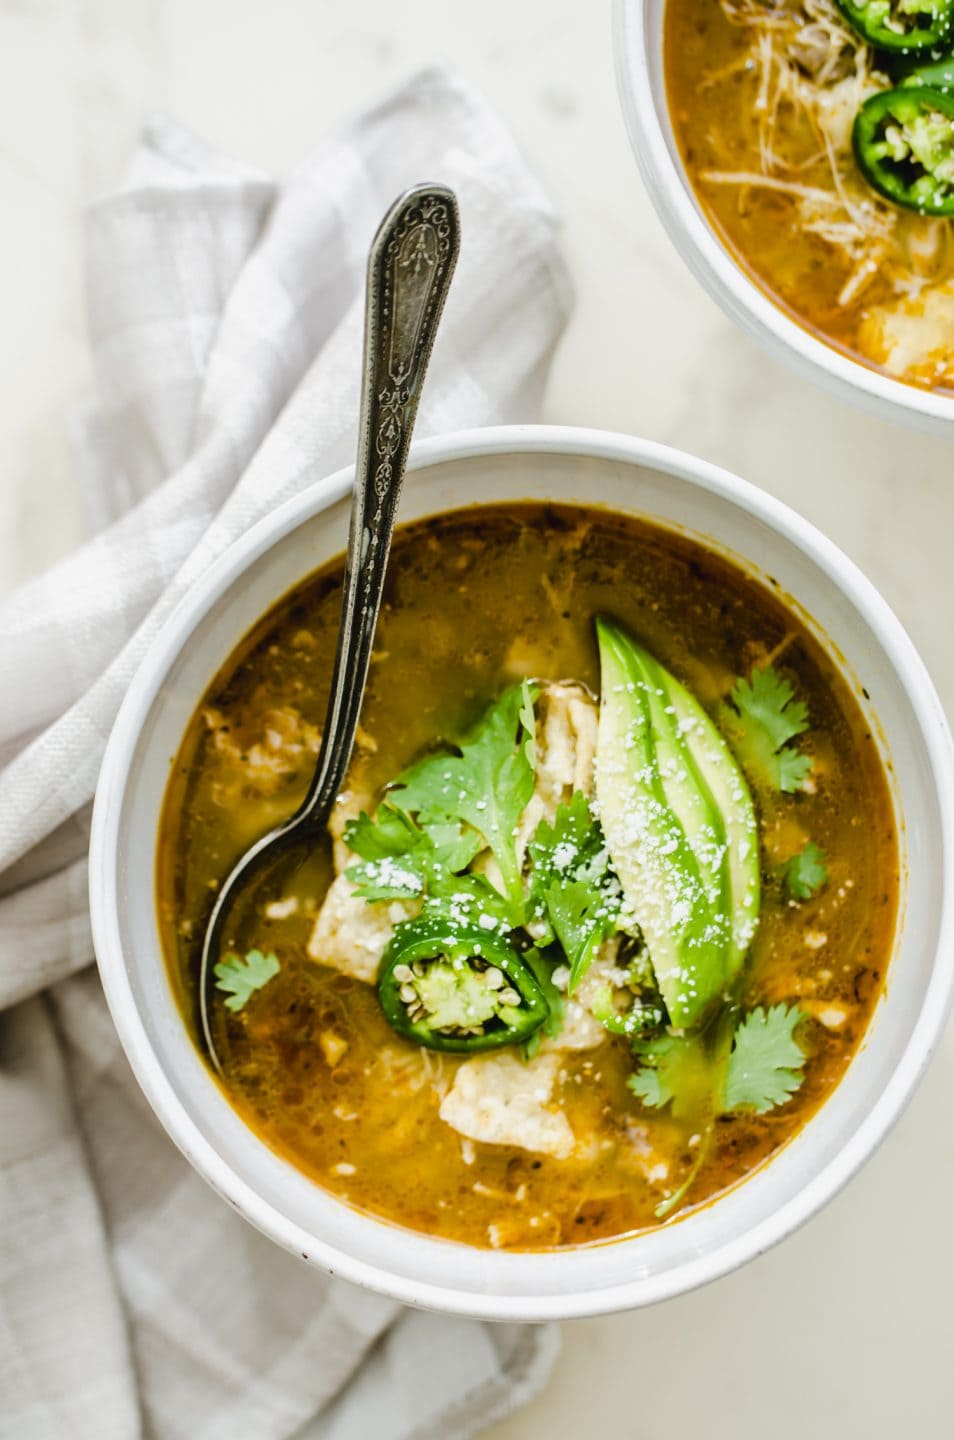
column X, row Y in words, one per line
column 772, row 104
column 610, row 893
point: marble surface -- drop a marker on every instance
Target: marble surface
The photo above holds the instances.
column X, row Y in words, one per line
column 845, row 1329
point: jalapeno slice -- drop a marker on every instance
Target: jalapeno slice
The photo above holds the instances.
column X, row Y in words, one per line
column 904, row 146
column 905, row 25
column 458, row 989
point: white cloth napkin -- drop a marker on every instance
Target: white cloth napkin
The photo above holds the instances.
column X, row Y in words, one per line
column 225, row 317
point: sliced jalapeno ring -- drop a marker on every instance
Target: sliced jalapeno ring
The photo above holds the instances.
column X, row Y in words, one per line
column 461, row 990
column 905, row 25
column 904, row 146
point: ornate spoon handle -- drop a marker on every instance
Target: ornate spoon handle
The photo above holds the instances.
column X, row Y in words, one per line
column 410, row 267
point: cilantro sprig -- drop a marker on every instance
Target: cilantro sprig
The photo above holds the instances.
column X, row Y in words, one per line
column 762, row 720
column 675, row 1072
column 753, row 1064
column 400, row 859
column 766, row 1063
column 239, row 978
column 762, row 1069
column 805, row 873
column 485, row 786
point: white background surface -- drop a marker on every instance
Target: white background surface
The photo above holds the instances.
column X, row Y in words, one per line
column 846, row 1330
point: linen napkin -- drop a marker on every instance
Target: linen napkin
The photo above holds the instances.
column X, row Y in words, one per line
column 225, row 318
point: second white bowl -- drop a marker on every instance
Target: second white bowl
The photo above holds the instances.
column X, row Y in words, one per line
column 638, row 26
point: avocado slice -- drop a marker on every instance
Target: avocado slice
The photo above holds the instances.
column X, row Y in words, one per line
column 680, row 826
column 719, row 774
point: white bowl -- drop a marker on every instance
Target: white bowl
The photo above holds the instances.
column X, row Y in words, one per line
column 507, row 465
column 638, row 35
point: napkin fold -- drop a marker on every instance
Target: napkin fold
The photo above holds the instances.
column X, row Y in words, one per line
column 225, row 317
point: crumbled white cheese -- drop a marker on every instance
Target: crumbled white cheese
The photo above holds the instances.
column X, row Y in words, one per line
column 281, row 909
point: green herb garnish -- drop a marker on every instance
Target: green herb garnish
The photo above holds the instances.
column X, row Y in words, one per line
column 575, row 896
column 401, row 859
column 766, row 1063
column 762, row 1069
column 763, row 718
column 675, row 1071
column 805, row 874
column 239, row 979
column 486, row 786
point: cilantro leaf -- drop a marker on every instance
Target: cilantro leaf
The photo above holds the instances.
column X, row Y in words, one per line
column 575, row 896
column 581, row 919
column 762, row 1069
column 400, row 859
column 390, row 878
column 239, row 979
column 455, row 845
column 753, row 1064
column 390, row 833
column 573, row 839
column 486, row 786
column 805, row 874
column 678, row 1071
column 763, row 718
column 653, row 1085
column 468, row 900
column 766, row 1063
column 794, row 769
column 769, row 701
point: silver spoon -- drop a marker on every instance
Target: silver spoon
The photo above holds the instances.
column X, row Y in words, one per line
column 410, row 266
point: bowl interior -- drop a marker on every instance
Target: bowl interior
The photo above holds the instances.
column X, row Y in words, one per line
column 275, row 556
column 641, row 75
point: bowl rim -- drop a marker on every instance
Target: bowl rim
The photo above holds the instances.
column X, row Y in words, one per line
column 104, row 877
column 721, row 275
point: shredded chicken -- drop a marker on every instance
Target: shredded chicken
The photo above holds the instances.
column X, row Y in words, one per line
column 567, row 722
